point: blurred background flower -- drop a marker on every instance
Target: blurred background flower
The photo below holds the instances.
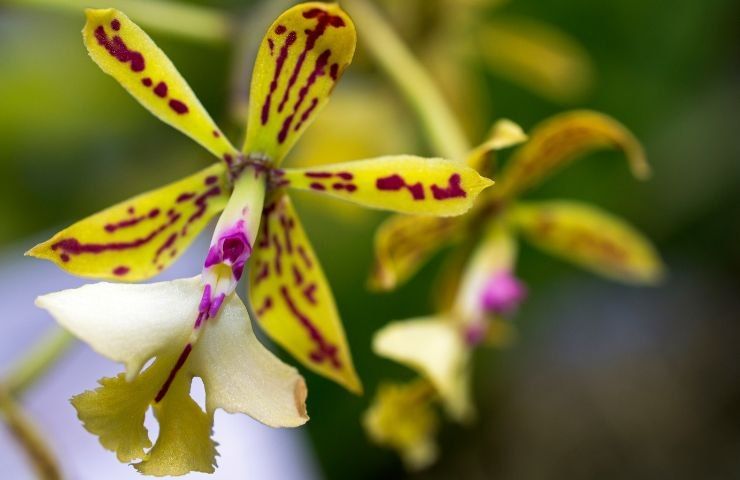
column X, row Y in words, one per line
column 604, row 380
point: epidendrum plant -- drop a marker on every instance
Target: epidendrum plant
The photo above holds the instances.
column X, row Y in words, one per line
column 478, row 291
column 167, row 333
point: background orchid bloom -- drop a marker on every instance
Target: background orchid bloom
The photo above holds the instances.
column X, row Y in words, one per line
column 302, row 56
column 473, row 304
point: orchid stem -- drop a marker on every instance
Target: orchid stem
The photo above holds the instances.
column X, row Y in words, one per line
column 189, row 21
column 27, row 435
column 35, row 363
column 398, row 62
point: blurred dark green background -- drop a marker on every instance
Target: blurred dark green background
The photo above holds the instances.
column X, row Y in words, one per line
column 606, row 381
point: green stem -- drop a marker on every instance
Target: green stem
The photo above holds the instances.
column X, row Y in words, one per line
column 191, row 21
column 27, row 435
column 35, row 363
column 440, row 124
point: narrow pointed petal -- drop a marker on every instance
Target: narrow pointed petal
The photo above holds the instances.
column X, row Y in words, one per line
column 242, row 376
column 496, row 253
column 435, row 348
column 403, row 244
column 537, row 56
column 589, row 237
column 561, row 139
column 125, row 52
column 292, row 298
column 140, row 237
column 401, row 183
column 302, row 56
column 504, row 134
column 403, row 418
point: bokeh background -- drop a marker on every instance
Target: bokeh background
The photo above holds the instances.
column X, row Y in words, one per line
column 605, row 381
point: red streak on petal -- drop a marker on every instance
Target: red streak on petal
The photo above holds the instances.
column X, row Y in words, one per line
column 121, row 270
column 161, row 90
column 396, row 182
column 118, row 49
column 453, row 189
column 179, row 107
column 178, row 365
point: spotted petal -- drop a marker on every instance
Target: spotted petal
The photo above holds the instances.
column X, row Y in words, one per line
column 561, row 139
column 435, row 348
column 591, row 238
column 400, row 183
column 300, row 60
column 138, row 238
column 292, row 299
column 125, row 52
column 403, row 244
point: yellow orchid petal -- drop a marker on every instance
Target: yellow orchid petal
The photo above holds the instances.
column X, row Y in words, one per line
column 400, row 183
column 504, row 134
column 125, row 52
column 561, row 139
column 292, row 299
column 537, row 56
column 496, row 253
column 435, row 348
column 184, row 443
column 403, row 244
column 302, row 56
column 591, row 238
column 402, row 417
column 138, row 238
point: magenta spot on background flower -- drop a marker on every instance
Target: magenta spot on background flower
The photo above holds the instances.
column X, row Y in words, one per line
column 502, row 293
column 476, row 333
column 115, row 24
column 121, row 270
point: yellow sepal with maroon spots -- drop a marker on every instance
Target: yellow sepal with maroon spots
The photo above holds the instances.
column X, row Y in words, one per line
column 125, row 52
column 136, row 239
column 400, row 183
column 404, row 243
column 591, row 238
column 292, row 299
column 561, row 139
column 299, row 61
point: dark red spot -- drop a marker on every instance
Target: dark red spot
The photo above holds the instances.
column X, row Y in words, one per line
column 121, row 270
column 271, row 44
column 202, row 203
column 319, row 174
column 228, row 159
column 396, row 182
column 287, row 224
column 453, row 189
column 317, row 186
column 280, row 29
column 290, row 40
column 184, row 197
column 304, row 255
column 153, row 213
column 130, row 222
column 64, row 257
column 115, row 24
column 211, row 179
column 334, row 71
column 179, row 107
column 324, row 349
column 278, row 254
column 309, row 293
column 266, row 305
column 178, row 365
column 146, row 81
column 161, row 90
column 118, row 49
column 167, row 244
column 131, row 210
column 307, row 113
column 216, row 133
column 297, row 276
column 263, row 273
column 350, row 187
column 345, row 175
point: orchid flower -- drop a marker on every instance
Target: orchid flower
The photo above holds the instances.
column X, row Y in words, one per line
column 487, row 293
column 167, row 333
